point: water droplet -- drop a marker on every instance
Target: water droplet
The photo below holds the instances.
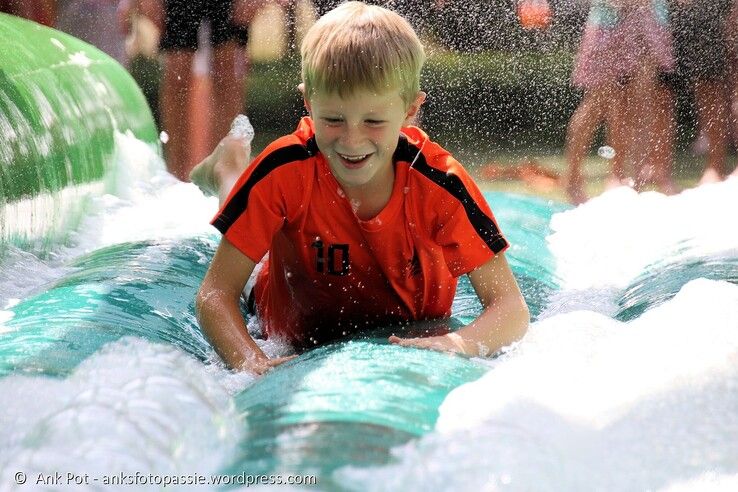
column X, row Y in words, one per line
column 164, row 137
column 406, row 190
column 606, row 152
column 340, row 193
column 241, row 128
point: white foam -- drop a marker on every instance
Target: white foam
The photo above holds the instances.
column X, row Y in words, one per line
column 589, row 403
column 142, row 201
column 132, row 406
column 707, row 482
column 22, row 272
column 610, row 240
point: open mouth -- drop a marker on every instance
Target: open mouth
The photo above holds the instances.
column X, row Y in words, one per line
column 354, row 161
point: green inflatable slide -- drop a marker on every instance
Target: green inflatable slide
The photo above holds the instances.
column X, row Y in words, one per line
column 61, row 103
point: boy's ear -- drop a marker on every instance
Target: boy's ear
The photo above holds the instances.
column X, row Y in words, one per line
column 412, row 111
column 301, row 88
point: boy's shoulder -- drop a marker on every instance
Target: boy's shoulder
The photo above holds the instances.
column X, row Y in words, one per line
column 285, row 155
column 437, row 182
column 417, row 148
column 430, row 160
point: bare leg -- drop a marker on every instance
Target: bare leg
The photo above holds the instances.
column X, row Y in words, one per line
column 713, row 114
column 617, row 137
column 665, row 130
column 228, row 88
column 732, row 36
column 582, row 126
column 219, row 171
column 642, row 114
column 733, row 100
column 175, row 95
column 734, row 111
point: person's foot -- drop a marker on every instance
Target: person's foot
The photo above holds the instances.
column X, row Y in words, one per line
column 668, row 187
column 711, row 175
column 229, row 159
column 613, row 182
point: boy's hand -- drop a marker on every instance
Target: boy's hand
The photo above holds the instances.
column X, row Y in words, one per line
column 262, row 366
column 218, row 310
column 451, row 342
column 504, row 320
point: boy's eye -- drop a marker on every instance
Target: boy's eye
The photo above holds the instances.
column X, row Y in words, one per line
column 333, row 121
column 374, row 122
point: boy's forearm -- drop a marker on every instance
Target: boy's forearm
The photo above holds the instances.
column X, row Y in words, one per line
column 223, row 325
column 502, row 323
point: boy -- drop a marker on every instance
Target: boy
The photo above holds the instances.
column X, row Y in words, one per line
column 366, row 221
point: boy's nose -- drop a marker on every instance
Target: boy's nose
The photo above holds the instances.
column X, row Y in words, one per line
column 352, row 137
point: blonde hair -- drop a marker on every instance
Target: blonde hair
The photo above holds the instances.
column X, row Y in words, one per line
column 360, row 46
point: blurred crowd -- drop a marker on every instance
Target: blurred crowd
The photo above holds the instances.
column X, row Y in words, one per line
column 633, row 56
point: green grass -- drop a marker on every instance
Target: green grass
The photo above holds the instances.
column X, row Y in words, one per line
column 482, row 107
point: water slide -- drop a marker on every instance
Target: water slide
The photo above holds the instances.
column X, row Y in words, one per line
column 626, row 380
column 61, row 100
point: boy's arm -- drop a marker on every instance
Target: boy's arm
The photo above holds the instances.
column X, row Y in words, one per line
column 504, row 320
column 218, row 311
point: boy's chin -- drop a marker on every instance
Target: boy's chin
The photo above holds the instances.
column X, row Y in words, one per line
column 352, row 181
column 352, row 177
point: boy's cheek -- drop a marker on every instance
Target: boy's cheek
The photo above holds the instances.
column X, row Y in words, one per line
column 325, row 135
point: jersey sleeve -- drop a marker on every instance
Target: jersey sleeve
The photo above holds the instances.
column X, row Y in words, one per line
column 252, row 215
column 259, row 203
column 467, row 230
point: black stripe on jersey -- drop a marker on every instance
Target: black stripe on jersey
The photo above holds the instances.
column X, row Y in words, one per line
column 285, row 155
column 484, row 225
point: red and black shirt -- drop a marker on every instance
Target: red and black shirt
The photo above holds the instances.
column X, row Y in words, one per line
column 330, row 273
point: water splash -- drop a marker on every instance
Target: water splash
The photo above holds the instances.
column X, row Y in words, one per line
column 150, row 407
column 588, row 402
column 241, row 127
column 606, row 152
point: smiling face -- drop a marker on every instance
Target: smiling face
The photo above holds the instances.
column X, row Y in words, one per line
column 358, row 134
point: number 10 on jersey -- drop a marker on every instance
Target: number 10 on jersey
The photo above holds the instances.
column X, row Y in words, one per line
column 334, row 261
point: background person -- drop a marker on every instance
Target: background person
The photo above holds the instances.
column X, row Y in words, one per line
column 179, row 22
column 625, row 47
column 700, row 45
